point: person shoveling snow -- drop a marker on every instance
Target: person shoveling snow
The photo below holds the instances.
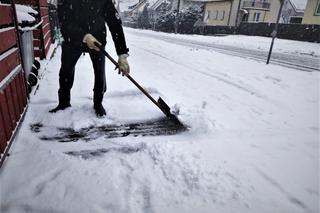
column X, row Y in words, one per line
column 83, row 29
column 83, row 24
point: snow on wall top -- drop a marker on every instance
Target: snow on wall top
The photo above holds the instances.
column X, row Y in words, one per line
column 23, row 13
column 26, row 9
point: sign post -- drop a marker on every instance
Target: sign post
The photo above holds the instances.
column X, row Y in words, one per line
column 275, row 31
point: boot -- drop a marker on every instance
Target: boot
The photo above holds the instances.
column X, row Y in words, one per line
column 99, row 109
column 60, row 107
column 64, row 102
column 97, row 105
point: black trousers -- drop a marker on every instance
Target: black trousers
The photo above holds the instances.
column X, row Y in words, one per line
column 69, row 58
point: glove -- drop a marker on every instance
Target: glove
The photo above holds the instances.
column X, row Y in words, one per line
column 89, row 40
column 124, row 68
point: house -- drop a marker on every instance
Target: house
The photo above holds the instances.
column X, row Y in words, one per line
column 233, row 12
column 312, row 12
column 220, row 12
column 260, row 10
column 267, row 11
column 122, row 7
column 136, row 9
column 181, row 4
column 158, row 8
column 292, row 11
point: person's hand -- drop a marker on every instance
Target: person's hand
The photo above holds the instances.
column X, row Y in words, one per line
column 124, row 68
column 90, row 40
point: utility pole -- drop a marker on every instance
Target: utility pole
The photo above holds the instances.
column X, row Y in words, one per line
column 274, row 32
column 176, row 24
column 238, row 11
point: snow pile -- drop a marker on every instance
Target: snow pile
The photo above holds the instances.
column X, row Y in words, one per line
column 252, row 147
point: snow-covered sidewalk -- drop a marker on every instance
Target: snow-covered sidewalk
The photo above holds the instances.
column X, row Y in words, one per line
column 253, row 145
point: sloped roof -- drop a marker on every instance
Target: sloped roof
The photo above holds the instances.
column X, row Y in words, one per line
column 156, row 4
column 140, row 3
column 125, row 4
column 206, row 0
column 153, row 2
column 299, row 4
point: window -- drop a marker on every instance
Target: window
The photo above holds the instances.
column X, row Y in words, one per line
column 256, row 17
column 222, row 15
column 217, row 14
column 317, row 13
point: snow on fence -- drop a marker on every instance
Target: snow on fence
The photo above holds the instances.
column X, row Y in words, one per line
column 42, row 38
column 13, row 94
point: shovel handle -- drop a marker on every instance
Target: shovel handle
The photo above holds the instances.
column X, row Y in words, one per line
column 106, row 54
column 128, row 76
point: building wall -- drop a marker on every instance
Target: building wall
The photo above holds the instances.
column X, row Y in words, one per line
column 272, row 14
column 217, row 13
column 310, row 16
column 234, row 12
column 253, row 18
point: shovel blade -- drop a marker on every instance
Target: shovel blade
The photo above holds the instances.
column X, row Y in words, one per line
column 167, row 111
column 164, row 107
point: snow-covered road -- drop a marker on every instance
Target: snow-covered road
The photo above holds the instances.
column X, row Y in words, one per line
column 303, row 56
column 253, row 145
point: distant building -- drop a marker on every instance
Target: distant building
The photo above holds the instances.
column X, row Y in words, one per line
column 255, row 11
column 136, row 9
column 158, row 8
column 233, row 12
column 312, row 12
column 267, row 11
column 181, row 4
column 220, row 12
column 292, row 11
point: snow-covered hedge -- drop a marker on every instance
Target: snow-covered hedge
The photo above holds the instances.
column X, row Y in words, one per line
column 185, row 20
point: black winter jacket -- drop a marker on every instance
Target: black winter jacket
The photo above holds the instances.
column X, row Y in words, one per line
column 79, row 17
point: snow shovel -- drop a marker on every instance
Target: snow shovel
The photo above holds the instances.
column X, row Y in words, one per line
column 161, row 104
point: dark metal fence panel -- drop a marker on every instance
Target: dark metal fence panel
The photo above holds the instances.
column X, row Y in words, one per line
column 300, row 32
column 211, row 30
